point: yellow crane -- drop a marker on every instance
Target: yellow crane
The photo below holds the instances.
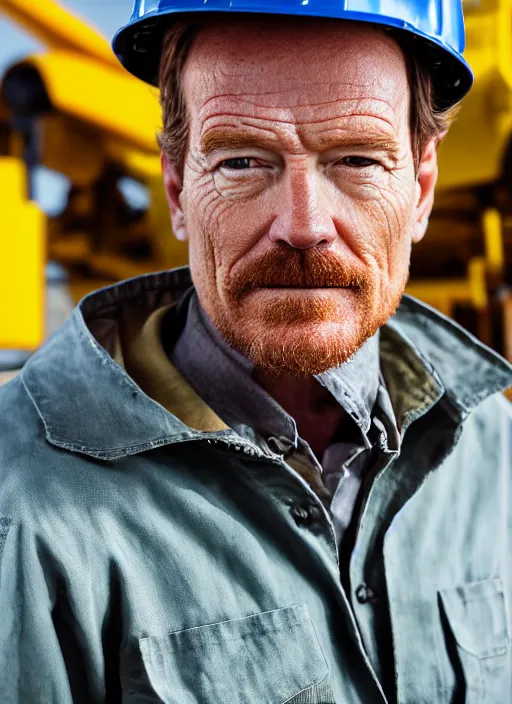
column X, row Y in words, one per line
column 73, row 109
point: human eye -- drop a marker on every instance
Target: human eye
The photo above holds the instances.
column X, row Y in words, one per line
column 357, row 162
column 239, row 163
column 242, row 176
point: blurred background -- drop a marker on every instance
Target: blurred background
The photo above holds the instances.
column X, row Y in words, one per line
column 80, row 186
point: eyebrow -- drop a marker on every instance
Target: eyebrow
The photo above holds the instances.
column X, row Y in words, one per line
column 373, row 142
column 217, row 139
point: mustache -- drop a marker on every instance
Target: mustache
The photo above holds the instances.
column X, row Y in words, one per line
column 284, row 268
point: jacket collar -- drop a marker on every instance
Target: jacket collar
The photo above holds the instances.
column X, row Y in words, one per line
column 421, row 341
column 90, row 404
column 87, row 401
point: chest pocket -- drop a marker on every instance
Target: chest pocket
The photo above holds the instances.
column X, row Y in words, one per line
column 477, row 618
column 270, row 658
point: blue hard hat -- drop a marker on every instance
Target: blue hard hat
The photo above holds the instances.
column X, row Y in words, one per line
column 435, row 29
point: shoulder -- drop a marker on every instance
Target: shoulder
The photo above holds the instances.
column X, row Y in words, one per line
column 40, row 482
column 493, row 415
column 20, row 424
column 486, row 436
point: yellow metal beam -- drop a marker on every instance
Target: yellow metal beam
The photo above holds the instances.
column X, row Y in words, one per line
column 22, row 264
column 441, row 294
column 469, row 156
column 493, row 240
column 59, row 29
column 112, row 102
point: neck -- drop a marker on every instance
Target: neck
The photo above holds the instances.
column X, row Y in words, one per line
column 314, row 409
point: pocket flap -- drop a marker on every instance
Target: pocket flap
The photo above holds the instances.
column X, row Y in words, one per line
column 266, row 658
column 477, row 616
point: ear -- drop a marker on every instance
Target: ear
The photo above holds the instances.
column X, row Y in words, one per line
column 425, row 184
column 173, row 185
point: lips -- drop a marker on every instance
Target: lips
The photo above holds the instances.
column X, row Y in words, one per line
column 301, row 287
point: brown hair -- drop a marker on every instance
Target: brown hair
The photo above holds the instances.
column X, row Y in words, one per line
column 173, row 139
column 426, row 121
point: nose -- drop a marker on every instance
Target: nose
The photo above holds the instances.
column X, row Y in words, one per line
column 303, row 217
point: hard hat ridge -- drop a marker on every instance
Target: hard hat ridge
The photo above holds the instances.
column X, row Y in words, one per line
column 433, row 29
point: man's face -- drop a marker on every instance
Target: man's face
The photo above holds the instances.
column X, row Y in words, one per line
column 299, row 195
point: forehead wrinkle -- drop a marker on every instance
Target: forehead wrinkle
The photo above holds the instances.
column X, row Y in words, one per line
column 294, row 120
column 267, row 115
column 243, row 107
column 296, row 123
column 225, row 68
column 298, row 102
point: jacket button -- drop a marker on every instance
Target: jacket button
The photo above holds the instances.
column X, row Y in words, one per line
column 364, row 594
column 307, row 515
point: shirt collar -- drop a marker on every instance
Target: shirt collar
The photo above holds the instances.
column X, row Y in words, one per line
column 88, row 402
column 200, row 353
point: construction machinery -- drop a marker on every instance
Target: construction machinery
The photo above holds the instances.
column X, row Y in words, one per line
column 464, row 265
column 73, row 109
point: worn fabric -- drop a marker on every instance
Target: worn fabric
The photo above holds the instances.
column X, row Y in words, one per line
column 149, row 553
column 223, row 379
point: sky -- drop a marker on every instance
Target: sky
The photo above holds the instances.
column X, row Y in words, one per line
column 108, row 16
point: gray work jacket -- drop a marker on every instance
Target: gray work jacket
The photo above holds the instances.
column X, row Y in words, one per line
column 148, row 554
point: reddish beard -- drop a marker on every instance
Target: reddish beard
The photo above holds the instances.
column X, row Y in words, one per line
column 280, row 339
